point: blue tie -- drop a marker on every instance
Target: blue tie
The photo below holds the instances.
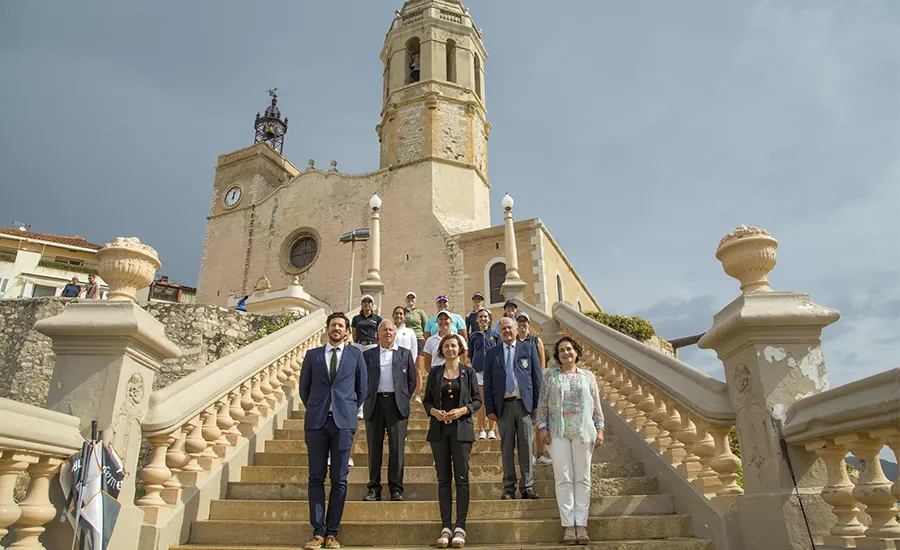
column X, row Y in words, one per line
column 510, row 374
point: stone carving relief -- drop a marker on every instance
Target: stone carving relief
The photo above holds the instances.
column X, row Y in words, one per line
column 263, row 285
column 126, row 429
column 748, row 409
column 135, row 388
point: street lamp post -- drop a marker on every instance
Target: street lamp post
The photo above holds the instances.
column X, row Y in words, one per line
column 373, row 285
column 361, row 234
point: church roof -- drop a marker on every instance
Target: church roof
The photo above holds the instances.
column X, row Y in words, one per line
column 77, row 240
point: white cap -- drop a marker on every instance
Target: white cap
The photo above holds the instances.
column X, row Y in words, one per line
column 444, row 312
column 411, row 293
column 367, row 297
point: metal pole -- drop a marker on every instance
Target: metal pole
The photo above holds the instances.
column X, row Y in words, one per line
column 350, row 293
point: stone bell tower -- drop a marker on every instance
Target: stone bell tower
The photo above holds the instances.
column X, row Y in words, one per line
column 434, row 123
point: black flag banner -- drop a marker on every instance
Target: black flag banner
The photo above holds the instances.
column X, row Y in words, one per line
column 91, row 481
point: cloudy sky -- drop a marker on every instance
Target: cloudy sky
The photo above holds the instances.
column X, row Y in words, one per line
column 641, row 132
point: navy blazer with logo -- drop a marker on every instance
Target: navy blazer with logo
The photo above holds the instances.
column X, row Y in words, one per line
column 344, row 395
column 403, row 383
column 527, row 369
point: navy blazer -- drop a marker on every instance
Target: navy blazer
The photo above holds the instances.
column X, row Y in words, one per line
column 527, row 368
column 403, row 383
column 469, row 398
column 344, row 395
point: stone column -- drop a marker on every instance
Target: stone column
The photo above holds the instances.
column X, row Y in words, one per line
column 107, row 353
column 513, row 287
column 770, row 345
column 373, row 285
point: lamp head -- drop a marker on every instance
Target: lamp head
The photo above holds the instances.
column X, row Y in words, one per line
column 375, row 202
column 507, row 202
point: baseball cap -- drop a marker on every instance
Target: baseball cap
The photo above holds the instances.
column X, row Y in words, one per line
column 441, row 297
column 444, row 312
column 511, row 303
column 367, row 297
column 478, row 295
column 411, row 293
column 523, row 314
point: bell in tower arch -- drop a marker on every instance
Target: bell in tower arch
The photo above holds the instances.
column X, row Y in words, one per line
column 415, row 67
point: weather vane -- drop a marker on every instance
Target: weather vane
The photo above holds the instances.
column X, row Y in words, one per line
column 273, row 92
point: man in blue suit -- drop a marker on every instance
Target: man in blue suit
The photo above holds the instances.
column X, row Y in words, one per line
column 332, row 388
column 512, row 385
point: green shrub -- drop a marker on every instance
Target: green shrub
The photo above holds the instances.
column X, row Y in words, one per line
column 53, row 264
column 268, row 327
column 7, row 257
column 637, row 328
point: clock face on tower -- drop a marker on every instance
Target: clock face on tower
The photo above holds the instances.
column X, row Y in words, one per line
column 232, row 196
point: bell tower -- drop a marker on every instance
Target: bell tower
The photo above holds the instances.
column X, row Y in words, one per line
column 433, row 108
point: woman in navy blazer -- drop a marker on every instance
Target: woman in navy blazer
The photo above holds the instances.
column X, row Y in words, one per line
column 451, row 398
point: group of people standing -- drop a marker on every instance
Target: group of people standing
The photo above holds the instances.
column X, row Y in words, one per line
column 483, row 380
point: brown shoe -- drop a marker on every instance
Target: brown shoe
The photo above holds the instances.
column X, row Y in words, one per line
column 332, row 542
column 315, row 542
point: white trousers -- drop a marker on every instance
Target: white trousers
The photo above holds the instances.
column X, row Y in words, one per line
column 572, row 472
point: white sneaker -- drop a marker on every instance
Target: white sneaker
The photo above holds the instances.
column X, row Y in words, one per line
column 492, row 435
column 418, row 399
column 482, row 435
column 545, row 460
column 329, row 461
column 359, row 415
column 350, row 462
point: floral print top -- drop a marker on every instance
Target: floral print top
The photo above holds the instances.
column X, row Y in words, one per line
column 569, row 405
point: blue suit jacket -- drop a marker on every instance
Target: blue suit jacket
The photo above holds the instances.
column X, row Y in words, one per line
column 527, row 368
column 344, row 395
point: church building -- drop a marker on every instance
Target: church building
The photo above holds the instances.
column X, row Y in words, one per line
column 271, row 219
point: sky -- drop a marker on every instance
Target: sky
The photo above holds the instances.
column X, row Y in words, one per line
column 640, row 132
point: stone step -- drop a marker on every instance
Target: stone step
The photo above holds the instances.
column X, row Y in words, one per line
column 288, row 510
column 416, row 412
column 412, row 424
column 611, row 451
column 390, row 533
column 298, row 435
column 426, row 474
column 484, row 458
column 678, row 543
column 479, row 490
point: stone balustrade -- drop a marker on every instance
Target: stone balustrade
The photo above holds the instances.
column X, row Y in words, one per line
column 861, row 418
column 193, row 424
column 37, row 441
column 683, row 414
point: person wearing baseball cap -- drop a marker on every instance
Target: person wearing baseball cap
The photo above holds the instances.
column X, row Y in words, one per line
column 432, row 345
column 457, row 324
column 416, row 319
column 472, row 317
column 365, row 324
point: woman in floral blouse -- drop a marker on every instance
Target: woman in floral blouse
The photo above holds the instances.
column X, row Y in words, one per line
column 570, row 421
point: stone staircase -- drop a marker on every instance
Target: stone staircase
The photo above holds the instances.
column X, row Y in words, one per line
column 268, row 508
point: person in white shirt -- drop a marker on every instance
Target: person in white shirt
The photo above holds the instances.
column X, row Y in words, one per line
column 391, row 382
column 432, row 357
column 406, row 338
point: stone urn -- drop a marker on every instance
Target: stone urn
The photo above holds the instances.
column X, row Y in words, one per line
column 748, row 255
column 127, row 265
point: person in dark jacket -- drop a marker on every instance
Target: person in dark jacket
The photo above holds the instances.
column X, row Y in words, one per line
column 481, row 339
column 451, row 398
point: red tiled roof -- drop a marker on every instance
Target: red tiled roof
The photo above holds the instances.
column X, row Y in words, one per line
column 61, row 239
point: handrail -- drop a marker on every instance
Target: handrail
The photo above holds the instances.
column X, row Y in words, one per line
column 866, row 404
column 172, row 406
column 37, row 430
column 699, row 393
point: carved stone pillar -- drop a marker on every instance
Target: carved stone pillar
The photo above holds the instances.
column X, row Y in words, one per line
column 838, row 492
column 107, row 353
column 770, row 345
column 373, row 285
column 513, row 287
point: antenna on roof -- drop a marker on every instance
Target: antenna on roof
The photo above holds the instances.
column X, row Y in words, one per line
column 22, row 226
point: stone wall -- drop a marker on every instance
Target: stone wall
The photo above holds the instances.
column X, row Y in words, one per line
column 204, row 333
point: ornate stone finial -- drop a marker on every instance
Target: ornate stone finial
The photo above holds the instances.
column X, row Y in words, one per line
column 296, row 280
column 333, row 167
column 748, row 255
column 311, row 164
column 127, row 265
column 263, row 285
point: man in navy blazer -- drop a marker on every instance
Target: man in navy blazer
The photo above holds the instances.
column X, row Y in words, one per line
column 512, row 385
column 332, row 388
column 392, row 381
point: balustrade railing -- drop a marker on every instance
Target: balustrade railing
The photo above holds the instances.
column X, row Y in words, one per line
column 37, row 441
column 193, row 424
column 861, row 418
column 683, row 414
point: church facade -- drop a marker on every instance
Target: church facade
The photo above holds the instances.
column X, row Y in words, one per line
column 270, row 218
